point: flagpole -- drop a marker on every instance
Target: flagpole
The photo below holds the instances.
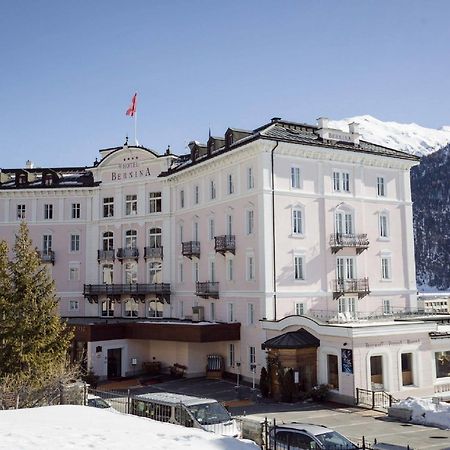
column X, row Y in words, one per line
column 135, row 128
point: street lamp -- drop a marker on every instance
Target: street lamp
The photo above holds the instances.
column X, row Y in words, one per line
column 238, row 365
column 253, row 369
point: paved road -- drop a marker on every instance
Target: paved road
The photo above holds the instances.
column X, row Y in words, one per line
column 350, row 421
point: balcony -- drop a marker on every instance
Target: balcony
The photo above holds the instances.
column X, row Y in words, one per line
column 128, row 253
column 207, row 289
column 224, row 244
column 191, row 249
column 137, row 291
column 47, row 256
column 338, row 241
column 359, row 287
column 153, row 252
column 106, row 255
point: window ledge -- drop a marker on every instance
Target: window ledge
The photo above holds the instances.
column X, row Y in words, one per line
column 297, row 235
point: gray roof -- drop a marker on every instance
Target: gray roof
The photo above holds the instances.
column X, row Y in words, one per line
column 293, row 339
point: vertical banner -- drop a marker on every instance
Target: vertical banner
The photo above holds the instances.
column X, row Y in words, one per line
column 347, row 360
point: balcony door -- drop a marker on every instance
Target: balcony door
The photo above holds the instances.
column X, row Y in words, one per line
column 344, row 223
column 47, row 243
column 345, row 268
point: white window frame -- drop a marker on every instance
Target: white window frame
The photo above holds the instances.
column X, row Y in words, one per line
column 383, row 225
column 249, row 221
column 110, row 307
column 298, row 221
column 108, row 207
column 212, row 311
column 76, row 210
column 154, row 271
column 250, row 178
column 196, row 194
column 229, row 224
column 381, row 187
column 230, row 184
column 131, row 206
column 107, row 273
column 211, row 228
column 251, row 357
column 341, row 181
column 48, row 211
column 387, row 307
column 156, row 312
column 230, row 313
column 180, row 272
column 108, row 241
column 130, row 308
column 130, row 239
column 386, row 267
column 195, row 271
column 182, row 199
column 21, row 211
column 74, row 272
column 74, row 305
column 47, row 243
column 130, row 272
column 299, row 267
column 250, row 314
column 154, row 202
column 230, row 269
column 74, row 242
column 250, row 274
column 231, row 355
column 212, row 190
column 346, row 268
column 296, row 178
column 347, row 305
column 300, row 308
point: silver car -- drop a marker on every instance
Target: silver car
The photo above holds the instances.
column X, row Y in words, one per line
column 303, row 436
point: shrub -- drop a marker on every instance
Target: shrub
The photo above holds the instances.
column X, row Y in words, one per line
column 320, row 393
column 264, row 383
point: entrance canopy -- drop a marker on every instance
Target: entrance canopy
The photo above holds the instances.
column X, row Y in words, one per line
column 293, row 339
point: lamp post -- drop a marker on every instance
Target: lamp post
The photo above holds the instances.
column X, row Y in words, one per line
column 253, row 369
column 238, row 365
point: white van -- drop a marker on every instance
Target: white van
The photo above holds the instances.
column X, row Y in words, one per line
column 205, row 413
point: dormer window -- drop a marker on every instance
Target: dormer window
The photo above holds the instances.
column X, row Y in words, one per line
column 22, row 178
column 48, row 180
column 229, row 139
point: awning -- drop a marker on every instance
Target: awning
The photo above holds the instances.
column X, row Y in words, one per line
column 293, row 339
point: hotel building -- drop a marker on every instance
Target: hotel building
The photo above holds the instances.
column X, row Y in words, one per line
column 291, row 241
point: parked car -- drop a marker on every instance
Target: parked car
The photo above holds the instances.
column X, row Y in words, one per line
column 97, row 402
column 303, row 436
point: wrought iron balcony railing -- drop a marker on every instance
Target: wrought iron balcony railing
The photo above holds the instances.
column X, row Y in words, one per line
column 191, row 249
column 128, row 253
column 138, row 291
column 207, row 289
column 47, row 256
column 153, row 252
column 359, row 287
column 106, row 255
column 226, row 243
column 338, row 241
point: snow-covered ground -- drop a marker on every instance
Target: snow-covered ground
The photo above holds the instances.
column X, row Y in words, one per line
column 424, row 411
column 82, row 427
column 408, row 137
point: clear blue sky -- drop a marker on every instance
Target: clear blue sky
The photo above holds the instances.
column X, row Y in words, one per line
column 69, row 69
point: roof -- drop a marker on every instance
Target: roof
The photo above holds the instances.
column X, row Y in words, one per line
column 293, row 339
column 309, row 428
column 171, row 398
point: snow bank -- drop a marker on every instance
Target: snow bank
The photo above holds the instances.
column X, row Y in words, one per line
column 80, row 427
column 425, row 412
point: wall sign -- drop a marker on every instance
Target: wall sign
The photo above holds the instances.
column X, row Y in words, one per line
column 347, row 360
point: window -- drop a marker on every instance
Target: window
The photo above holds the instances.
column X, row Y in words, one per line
column 347, row 305
column 230, row 184
column 387, row 308
column 212, row 309
column 442, row 360
column 211, row 229
column 252, row 358
column 108, row 241
column 130, row 273
column 297, row 221
column 250, row 268
column 212, row 190
column 155, row 308
column 381, row 192
column 250, row 178
column 181, row 309
column 385, row 268
column 47, row 243
column 231, row 355
column 131, row 239
column 333, row 371
column 48, row 211
column 299, row 267
column 407, row 369
column 384, row 225
column 180, row 231
column 230, row 269
column 76, row 210
column 250, row 221
column 154, row 238
column 74, row 305
column 180, row 272
column 108, row 207
column 155, row 202
column 300, row 309
column 107, row 274
column 251, row 314
column 74, row 242
column 195, row 232
column 74, row 273
column 107, row 308
column 182, row 199
column 195, row 271
column 212, row 271
column 196, row 195
column 230, row 312
column 295, row 177
column 341, row 181
column 130, row 205
column 229, row 224
column 20, row 212
column 345, row 268
column 131, row 308
column 154, row 272
column 48, row 180
column 344, row 223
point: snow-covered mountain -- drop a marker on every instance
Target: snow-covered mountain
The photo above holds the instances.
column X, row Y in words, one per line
column 408, row 137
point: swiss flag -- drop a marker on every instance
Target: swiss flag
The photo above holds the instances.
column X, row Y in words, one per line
column 131, row 111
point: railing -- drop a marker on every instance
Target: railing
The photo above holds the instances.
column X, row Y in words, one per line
column 106, row 255
column 191, row 249
column 124, row 253
column 356, row 286
column 47, row 256
column 358, row 241
column 379, row 400
column 153, row 252
column 136, row 290
column 207, row 289
column 226, row 243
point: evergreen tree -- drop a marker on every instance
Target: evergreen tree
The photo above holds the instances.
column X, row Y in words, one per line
column 264, row 383
column 34, row 341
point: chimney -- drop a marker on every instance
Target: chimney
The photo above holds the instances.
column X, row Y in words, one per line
column 275, row 119
column 322, row 122
column 353, row 127
column 29, row 165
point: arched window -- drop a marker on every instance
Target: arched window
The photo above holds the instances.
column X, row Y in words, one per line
column 108, row 240
column 154, row 238
column 155, row 308
column 344, row 222
column 131, row 239
column 154, row 272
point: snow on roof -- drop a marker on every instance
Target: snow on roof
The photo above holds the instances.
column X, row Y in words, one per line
column 81, row 427
column 169, row 397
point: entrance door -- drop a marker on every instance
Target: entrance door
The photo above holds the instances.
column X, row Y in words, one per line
column 114, row 362
column 376, row 373
column 333, row 372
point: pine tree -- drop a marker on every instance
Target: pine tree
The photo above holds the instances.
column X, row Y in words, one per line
column 264, row 383
column 34, row 339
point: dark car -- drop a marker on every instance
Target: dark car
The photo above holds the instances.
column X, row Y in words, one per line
column 303, row 436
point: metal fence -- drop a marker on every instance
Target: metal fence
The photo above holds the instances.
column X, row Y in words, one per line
column 378, row 400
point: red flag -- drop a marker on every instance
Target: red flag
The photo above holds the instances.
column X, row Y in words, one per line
column 131, row 111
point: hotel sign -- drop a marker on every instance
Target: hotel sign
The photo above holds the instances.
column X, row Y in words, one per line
column 128, row 171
